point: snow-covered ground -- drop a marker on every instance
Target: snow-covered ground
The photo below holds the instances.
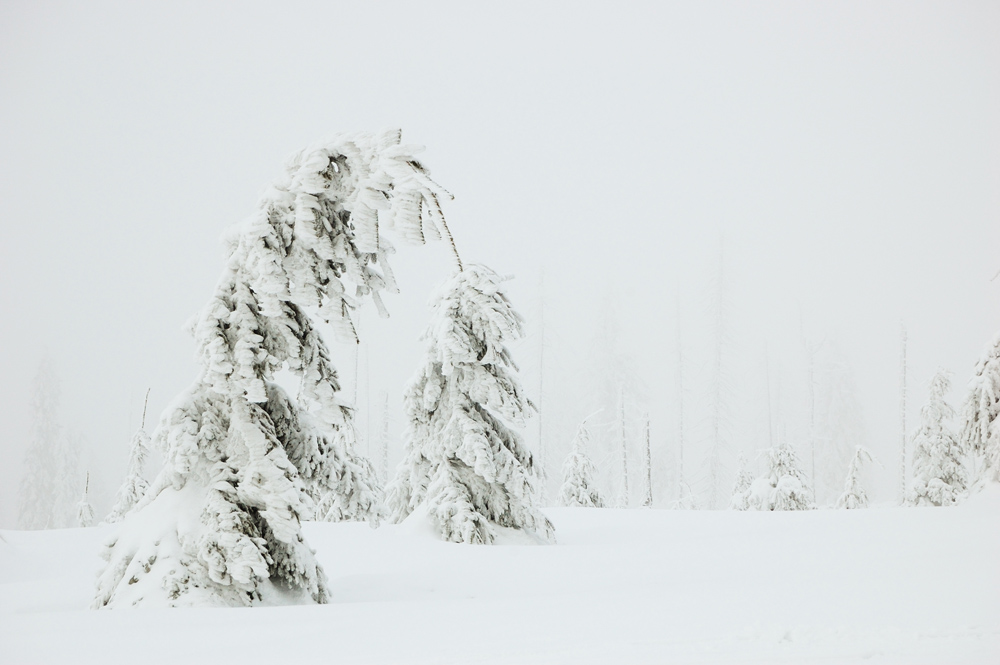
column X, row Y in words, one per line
column 885, row 585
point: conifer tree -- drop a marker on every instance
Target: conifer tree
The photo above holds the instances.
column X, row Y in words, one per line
column 980, row 435
column 742, row 486
column 48, row 489
column 783, row 487
column 384, row 440
column 134, row 487
column 854, row 495
column 579, row 487
column 939, row 476
column 85, row 511
column 465, row 462
column 839, row 428
column 719, row 445
column 244, row 461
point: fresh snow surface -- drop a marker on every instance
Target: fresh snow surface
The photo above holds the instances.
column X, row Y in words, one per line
column 883, row 585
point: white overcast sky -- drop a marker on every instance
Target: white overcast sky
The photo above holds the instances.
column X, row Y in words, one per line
column 848, row 153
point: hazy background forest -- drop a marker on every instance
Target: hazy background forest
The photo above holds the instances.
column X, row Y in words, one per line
column 827, row 173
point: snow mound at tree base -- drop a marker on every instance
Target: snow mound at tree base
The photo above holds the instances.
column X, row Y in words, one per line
column 149, row 567
column 887, row 585
column 420, row 524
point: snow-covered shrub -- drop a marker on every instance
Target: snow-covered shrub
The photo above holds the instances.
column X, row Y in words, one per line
column 939, row 475
column 464, row 461
column 980, row 435
column 579, row 475
column 244, row 462
column 783, row 487
column 854, row 495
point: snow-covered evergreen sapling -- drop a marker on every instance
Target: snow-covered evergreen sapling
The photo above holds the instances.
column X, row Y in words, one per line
column 134, row 487
column 85, row 511
column 981, row 415
column 579, row 487
column 464, row 462
column 244, row 461
column 783, row 487
column 939, row 475
column 48, row 491
column 742, row 486
column 854, row 495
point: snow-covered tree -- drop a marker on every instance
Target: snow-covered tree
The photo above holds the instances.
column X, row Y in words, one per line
column 783, row 487
column 579, row 487
column 85, row 511
column 383, row 440
column 839, row 428
column 939, row 475
column 902, row 418
column 465, row 462
column 719, row 444
column 980, row 435
column 854, row 495
column 742, row 486
column 244, row 461
column 614, row 390
column 135, row 485
column 48, row 491
column 647, row 500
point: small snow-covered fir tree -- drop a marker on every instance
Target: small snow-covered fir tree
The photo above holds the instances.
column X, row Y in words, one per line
column 48, row 491
column 465, row 463
column 783, row 487
column 939, row 475
column 85, row 511
column 839, row 422
column 579, row 486
column 980, row 435
column 135, row 485
column 244, row 461
column 854, row 495
column 742, row 486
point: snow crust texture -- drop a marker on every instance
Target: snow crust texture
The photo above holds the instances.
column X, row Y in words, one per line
column 244, row 461
column 889, row 585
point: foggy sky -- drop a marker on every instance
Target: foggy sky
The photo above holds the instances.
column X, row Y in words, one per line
column 845, row 155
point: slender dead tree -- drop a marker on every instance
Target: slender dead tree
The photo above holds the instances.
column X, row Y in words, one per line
column 648, row 501
column 543, row 476
column 719, row 417
column 902, row 416
column 623, row 439
column 384, row 439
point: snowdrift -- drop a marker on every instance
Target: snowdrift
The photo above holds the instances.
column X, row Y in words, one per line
column 884, row 585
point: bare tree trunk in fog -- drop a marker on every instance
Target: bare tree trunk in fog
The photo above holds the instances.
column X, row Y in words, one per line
column 648, row 502
column 624, row 447
column 902, row 417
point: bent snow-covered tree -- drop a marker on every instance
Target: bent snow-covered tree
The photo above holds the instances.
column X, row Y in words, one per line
column 854, row 495
column 220, row 524
column 579, row 486
column 465, row 463
column 939, row 475
column 981, row 415
column 134, row 487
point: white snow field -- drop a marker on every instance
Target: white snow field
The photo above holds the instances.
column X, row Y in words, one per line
column 883, row 585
